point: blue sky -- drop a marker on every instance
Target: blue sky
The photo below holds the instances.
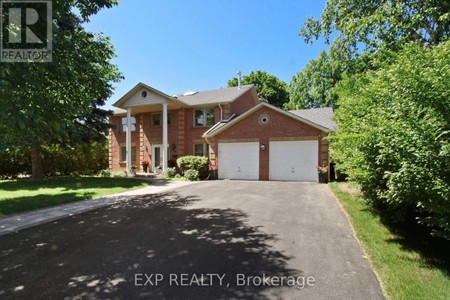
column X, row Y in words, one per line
column 176, row 46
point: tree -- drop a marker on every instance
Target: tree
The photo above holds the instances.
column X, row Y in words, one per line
column 379, row 24
column 40, row 101
column 365, row 30
column 313, row 86
column 394, row 134
column 268, row 87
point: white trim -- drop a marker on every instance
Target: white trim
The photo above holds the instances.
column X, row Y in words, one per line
column 128, row 140
column 165, row 136
column 253, row 109
column 125, row 97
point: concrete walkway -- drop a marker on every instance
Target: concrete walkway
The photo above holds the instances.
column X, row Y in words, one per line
column 24, row 220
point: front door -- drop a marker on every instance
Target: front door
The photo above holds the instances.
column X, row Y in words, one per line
column 157, row 157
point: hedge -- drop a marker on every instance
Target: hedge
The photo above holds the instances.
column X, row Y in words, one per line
column 85, row 159
column 199, row 163
column 394, row 135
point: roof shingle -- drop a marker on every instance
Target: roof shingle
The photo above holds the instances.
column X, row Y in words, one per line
column 321, row 116
column 223, row 95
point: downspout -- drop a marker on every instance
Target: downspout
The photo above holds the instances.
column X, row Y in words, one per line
column 221, row 112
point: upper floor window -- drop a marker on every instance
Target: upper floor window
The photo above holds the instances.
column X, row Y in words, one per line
column 123, row 128
column 204, row 117
column 157, row 119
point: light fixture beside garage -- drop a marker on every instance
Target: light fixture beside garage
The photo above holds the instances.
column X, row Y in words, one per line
column 263, row 147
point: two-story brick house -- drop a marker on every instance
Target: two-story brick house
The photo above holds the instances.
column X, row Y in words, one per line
column 246, row 138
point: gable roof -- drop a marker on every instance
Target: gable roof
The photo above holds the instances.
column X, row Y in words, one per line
column 322, row 116
column 135, row 89
column 223, row 95
column 222, row 125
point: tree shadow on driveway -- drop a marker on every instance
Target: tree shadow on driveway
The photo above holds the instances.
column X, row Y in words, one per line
column 98, row 254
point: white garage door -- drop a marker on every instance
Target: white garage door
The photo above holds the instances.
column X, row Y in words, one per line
column 239, row 161
column 293, row 160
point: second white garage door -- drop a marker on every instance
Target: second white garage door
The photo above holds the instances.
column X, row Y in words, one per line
column 239, row 161
column 293, row 160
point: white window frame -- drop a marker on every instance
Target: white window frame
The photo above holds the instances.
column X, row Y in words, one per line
column 122, row 125
column 204, row 117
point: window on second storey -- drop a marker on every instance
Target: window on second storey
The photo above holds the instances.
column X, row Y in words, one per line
column 204, row 117
column 157, row 119
column 123, row 128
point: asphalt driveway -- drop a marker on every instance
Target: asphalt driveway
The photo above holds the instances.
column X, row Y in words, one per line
column 211, row 240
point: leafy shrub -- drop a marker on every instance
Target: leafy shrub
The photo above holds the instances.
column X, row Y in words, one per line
column 86, row 159
column 198, row 163
column 177, row 176
column 170, row 172
column 14, row 162
column 191, row 175
column 394, row 135
column 105, row 173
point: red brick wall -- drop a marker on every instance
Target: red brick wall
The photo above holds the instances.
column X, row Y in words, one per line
column 279, row 127
column 193, row 135
column 244, row 103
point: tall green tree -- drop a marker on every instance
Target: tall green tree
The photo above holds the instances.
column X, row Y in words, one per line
column 394, row 134
column 39, row 102
column 312, row 87
column 268, row 87
column 362, row 31
column 372, row 25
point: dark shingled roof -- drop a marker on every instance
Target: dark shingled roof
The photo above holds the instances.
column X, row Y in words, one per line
column 223, row 95
column 320, row 116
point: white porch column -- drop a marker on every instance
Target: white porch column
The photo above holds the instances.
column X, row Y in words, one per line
column 164, row 149
column 128, row 140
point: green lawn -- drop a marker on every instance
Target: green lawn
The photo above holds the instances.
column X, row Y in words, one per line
column 27, row 194
column 409, row 263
